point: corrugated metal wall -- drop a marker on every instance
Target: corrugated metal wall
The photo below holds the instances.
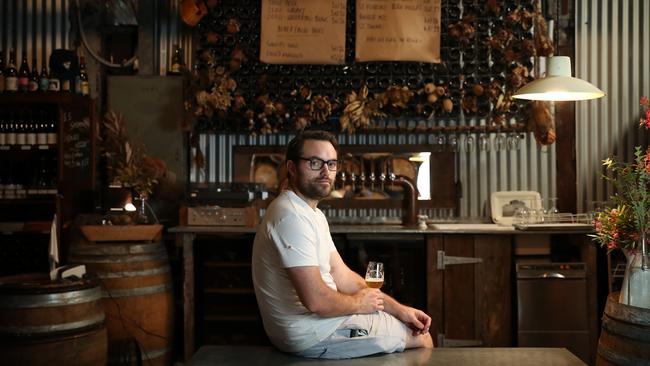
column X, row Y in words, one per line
column 35, row 26
column 170, row 31
column 612, row 52
column 41, row 26
column 480, row 172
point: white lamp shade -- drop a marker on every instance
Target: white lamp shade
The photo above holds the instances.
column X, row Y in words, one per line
column 558, row 85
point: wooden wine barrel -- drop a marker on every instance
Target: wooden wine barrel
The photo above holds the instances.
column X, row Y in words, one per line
column 137, row 295
column 625, row 335
column 45, row 322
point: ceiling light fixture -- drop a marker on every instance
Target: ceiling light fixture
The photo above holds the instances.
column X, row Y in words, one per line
column 558, row 84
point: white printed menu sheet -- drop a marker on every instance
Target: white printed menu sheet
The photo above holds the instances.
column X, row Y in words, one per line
column 398, row 30
column 303, row 31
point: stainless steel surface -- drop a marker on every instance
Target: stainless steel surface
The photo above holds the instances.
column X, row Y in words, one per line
column 552, row 306
column 373, row 229
column 616, row 61
column 249, row 355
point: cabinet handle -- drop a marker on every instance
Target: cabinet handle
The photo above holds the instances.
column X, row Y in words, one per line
column 449, row 342
column 448, row 260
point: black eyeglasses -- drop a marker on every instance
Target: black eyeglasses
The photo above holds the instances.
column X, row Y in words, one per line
column 317, row 163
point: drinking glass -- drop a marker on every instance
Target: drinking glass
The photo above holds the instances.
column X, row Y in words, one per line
column 375, row 274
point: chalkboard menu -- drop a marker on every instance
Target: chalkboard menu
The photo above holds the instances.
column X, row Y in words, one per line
column 77, row 154
column 487, row 51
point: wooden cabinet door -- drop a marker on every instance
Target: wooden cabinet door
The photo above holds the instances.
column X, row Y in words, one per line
column 469, row 290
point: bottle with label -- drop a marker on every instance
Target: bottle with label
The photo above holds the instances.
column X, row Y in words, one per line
column 82, row 86
column 21, row 131
column 2, row 71
column 10, row 131
column 41, row 130
column 51, row 133
column 43, row 79
column 31, row 130
column 32, row 86
column 23, row 74
column 3, row 131
column 177, row 61
column 11, row 74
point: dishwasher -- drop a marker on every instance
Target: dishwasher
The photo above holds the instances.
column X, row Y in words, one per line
column 552, row 306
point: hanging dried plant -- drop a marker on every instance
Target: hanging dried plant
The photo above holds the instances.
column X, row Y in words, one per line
column 127, row 163
column 359, row 110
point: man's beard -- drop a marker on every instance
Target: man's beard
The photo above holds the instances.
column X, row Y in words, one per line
column 312, row 189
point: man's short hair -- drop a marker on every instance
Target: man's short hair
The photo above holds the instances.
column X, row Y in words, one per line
column 294, row 149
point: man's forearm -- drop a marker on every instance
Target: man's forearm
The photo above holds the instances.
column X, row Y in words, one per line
column 392, row 306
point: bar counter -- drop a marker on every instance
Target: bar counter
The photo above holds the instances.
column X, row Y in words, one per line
column 490, row 244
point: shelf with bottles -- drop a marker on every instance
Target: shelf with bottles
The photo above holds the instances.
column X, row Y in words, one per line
column 15, row 80
column 26, row 227
column 30, row 177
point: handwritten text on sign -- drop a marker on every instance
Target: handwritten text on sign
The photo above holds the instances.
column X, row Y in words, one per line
column 398, row 30
column 303, row 32
column 77, row 149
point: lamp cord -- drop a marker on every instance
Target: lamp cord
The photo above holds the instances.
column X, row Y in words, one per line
column 92, row 53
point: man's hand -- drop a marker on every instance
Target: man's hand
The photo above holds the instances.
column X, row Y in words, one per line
column 416, row 319
column 370, row 300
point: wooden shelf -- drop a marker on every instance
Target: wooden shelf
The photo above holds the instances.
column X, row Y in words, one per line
column 42, row 227
column 229, row 291
column 40, row 200
column 227, row 264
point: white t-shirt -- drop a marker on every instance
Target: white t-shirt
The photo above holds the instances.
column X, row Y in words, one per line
column 292, row 234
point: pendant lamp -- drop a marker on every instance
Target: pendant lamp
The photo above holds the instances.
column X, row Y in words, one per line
column 558, row 84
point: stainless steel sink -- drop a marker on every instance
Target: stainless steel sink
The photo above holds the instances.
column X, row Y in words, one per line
column 469, row 227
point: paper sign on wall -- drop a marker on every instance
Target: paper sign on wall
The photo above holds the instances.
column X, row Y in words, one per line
column 398, row 30
column 303, row 32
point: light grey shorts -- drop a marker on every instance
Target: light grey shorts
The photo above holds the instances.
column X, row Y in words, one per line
column 362, row 335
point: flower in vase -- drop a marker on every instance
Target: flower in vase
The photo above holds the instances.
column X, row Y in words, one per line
column 621, row 227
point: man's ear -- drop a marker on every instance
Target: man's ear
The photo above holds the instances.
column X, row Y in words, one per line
column 291, row 168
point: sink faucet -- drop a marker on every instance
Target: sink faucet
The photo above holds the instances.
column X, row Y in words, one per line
column 410, row 200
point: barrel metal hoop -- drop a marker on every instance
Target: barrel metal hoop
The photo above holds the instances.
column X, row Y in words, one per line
column 140, row 291
column 118, row 249
column 86, row 259
column 626, row 330
column 27, row 330
column 140, row 273
column 627, row 313
column 616, row 359
column 50, row 300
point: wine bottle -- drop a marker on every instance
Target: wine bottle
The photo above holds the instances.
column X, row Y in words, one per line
column 23, row 74
column 31, row 130
column 177, row 61
column 11, row 74
column 43, row 79
column 41, row 130
column 2, row 71
column 51, row 133
column 11, row 132
column 3, row 131
column 21, row 135
column 32, row 85
column 84, row 85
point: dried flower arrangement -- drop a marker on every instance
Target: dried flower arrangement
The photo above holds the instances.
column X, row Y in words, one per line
column 220, row 84
column 127, row 163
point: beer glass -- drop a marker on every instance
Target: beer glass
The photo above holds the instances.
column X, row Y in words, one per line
column 375, row 274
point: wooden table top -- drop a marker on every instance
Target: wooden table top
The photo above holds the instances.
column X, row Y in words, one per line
column 256, row 355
